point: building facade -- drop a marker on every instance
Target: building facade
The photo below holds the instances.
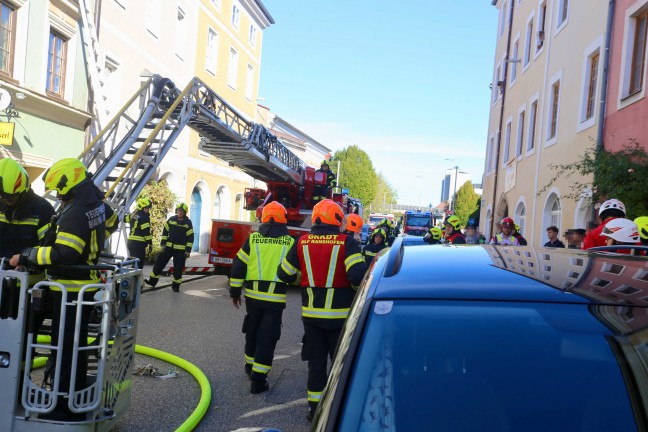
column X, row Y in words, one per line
column 626, row 103
column 544, row 110
column 43, row 85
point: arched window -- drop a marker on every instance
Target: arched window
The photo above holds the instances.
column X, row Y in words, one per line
column 520, row 217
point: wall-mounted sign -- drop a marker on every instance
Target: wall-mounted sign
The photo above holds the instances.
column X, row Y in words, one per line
column 6, row 133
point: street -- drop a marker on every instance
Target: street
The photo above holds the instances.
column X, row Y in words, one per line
column 201, row 325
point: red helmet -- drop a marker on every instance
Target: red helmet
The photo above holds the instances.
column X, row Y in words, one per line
column 327, row 212
column 274, row 212
column 354, row 223
column 507, row 221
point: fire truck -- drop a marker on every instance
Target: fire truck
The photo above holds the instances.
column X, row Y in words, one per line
column 416, row 223
column 376, row 218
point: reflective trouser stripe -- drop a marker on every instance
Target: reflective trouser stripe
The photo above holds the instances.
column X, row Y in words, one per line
column 260, row 368
column 248, row 359
column 314, row 396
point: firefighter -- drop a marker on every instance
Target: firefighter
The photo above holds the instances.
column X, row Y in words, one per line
column 320, row 191
column 520, row 238
column 642, row 226
column 390, row 229
column 609, row 210
column 79, row 236
column 255, row 268
column 330, row 266
column 24, row 219
column 376, row 244
column 506, row 236
column 353, row 226
column 177, row 240
column 453, row 234
column 621, row 231
column 433, row 236
column 140, row 237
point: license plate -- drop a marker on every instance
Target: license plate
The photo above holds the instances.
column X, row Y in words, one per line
column 221, row 260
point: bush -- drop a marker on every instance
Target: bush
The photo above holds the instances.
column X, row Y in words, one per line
column 163, row 201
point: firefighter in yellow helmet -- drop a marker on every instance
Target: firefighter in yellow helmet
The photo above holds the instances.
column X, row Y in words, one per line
column 331, row 267
column 453, row 234
column 377, row 242
column 642, row 226
column 433, row 236
column 321, row 191
column 255, row 268
column 79, row 237
column 140, row 236
column 24, row 216
column 177, row 240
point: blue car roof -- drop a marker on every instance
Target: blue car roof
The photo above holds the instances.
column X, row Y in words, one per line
column 500, row 273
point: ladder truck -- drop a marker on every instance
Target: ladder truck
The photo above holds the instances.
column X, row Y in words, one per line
column 122, row 158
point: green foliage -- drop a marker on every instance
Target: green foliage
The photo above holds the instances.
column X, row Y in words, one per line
column 618, row 175
column 466, row 203
column 357, row 173
column 385, row 196
column 163, row 200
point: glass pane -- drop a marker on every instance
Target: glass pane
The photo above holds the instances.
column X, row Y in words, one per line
column 468, row 366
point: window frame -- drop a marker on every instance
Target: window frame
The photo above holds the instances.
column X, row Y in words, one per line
column 562, row 15
column 553, row 109
column 49, row 81
column 590, row 87
column 11, row 45
column 236, row 17
column 181, row 31
column 211, row 30
column 232, row 68
column 528, row 42
column 508, row 130
column 637, row 72
column 532, row 128
column 249, row 82
column 519, row 140
column 626, row 97
column 514, row 63
column 252, row 37
column 542, row 19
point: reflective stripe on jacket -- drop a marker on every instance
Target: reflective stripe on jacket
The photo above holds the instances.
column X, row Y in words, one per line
column 140, row 227
column 178, row 234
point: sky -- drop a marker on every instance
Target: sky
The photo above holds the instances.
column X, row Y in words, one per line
column 407, row 84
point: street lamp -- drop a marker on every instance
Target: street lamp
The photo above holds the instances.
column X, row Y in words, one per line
column 454, row 195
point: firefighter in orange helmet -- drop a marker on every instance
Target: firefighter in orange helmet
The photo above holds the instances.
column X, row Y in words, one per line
column 353, row 226
column 331, row 267
column 255, row 268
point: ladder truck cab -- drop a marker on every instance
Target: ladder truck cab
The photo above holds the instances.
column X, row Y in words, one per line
column 228, row 236
column 416, row 223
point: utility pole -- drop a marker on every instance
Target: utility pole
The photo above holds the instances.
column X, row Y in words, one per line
column 454, row 196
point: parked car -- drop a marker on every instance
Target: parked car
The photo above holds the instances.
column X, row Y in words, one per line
column 493, row 338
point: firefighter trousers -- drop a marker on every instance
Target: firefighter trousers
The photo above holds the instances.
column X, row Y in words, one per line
column 178, row 266
column 319, row 344
column 262, row 328
column 137, row 249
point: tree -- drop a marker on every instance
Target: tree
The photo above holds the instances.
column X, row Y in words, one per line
column 357, row 173
column 618, row 175
column 385, row 195
column 466, row 203
column 162, row 202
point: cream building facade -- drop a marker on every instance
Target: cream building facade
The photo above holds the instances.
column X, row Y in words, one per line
column 217, row 41
column 544, row 110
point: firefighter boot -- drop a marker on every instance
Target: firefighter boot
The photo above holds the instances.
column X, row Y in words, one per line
column 151, row 281
column 175, row 287
column 259, row 383
column 312, row 406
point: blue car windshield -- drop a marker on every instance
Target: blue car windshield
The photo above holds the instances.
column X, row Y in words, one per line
column 496, row 366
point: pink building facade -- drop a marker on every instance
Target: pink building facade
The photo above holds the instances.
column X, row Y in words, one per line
column 626, row 117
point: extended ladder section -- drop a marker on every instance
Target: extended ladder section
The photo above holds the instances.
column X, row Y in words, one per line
column 126, row 153
column 95, row 61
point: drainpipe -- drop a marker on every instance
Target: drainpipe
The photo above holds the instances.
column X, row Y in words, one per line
column 604, row 78
column 501, row 119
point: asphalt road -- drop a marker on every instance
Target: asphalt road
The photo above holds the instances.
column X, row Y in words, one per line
column 200, row 325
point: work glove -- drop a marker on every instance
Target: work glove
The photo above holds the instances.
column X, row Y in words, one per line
column 187, row 254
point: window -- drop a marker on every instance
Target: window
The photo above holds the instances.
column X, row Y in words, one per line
column 502, row 19
column 520, row 134
column 563, row 8
column 507, row 142
column 553, row 115
column 638, row 53
column 489, row 147
column 520, row 217
column 153, row 17
column 56, row 59
column 253, row 35
column 249, row 82
column 533, row 117
column 514, row 60
column 236, row 17
column 542, row 17
column 591, row 86
column 216, row 4
column 211, row 55
column 181, row 31
column 232, row 70
column 528, row 42
column 555, row 212
column 7, row 36
column 494, row 157
column 496, row 79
